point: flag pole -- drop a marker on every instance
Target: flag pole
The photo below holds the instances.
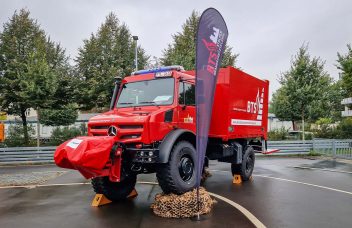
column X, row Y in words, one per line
column 210, row 45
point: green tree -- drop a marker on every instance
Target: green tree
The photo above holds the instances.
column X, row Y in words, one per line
column 344, row 128
column 108, row 52
column 63, row 110
column 182, row 50
column 345, row 65
column 329, row 103
column 283, row 108
column 305, row 88
column 29, row 67
column 59, row 117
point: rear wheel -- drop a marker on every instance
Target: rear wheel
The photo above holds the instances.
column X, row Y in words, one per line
column 114, row 191
column 179, row 174
column 246, row 168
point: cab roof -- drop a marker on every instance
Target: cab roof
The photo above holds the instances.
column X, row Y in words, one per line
column 162, row 72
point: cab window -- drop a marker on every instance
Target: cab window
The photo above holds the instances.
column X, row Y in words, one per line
column 186, row 94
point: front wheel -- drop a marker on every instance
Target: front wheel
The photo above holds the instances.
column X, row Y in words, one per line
column 246, row 168
column 114, row 191
column 179, row 174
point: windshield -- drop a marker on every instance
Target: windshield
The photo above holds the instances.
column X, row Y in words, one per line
column 151, row 92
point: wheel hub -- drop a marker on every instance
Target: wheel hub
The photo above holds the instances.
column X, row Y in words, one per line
column 185, row 168
column 249, row 164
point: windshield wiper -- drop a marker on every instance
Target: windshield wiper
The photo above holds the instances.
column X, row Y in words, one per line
column 125, row 103
column 147, row 102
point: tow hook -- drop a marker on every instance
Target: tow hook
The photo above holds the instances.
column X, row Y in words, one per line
column 136, row 168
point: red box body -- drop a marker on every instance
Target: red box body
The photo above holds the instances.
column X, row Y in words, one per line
column 240, row 106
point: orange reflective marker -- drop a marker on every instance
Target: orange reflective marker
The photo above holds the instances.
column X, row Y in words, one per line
column 2, row 132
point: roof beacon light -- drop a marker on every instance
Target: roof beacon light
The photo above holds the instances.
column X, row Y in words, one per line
column 160, row 69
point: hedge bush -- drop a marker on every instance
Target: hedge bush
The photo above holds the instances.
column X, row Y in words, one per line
column 62, row 134
column 15, row 136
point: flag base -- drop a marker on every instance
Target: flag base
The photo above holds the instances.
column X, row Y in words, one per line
column 198, row 218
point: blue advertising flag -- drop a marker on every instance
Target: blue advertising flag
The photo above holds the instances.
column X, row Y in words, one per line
column 211, row 40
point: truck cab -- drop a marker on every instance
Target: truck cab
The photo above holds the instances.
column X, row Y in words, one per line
column 148, row 105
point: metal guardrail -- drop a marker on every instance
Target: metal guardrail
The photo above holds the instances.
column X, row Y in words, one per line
column 26, row 155
column 337, row 148
column 330, row 147
column 341, row 148
column 291, row 147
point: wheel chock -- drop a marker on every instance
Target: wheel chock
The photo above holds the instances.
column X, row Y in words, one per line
column 100, row 200
column 237, row 179
column 133, row 194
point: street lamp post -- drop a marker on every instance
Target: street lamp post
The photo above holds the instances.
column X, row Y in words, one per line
column 135, row 38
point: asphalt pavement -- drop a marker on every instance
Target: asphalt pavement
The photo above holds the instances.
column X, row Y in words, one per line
column 284, row 192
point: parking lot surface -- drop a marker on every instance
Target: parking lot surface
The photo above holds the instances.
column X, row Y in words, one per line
column 284, row 192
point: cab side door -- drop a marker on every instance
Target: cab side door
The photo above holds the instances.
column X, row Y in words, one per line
column 187, row 106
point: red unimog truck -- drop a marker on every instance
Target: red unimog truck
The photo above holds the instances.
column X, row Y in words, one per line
column 151, row 128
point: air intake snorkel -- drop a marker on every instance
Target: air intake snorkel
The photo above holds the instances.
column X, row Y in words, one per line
column 118, row 80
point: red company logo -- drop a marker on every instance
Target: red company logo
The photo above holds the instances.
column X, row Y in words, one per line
column 214, row 47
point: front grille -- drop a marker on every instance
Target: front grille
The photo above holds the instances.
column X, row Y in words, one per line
column 99, row 127
column 134, row 136
column 130, row 126
column 124, row 131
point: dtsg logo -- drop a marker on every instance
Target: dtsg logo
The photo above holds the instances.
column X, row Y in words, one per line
column 214, row 47
column 257, row 105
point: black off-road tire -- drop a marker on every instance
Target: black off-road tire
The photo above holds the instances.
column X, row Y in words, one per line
column 173, row 176
column 114, row 191
column 246, row 168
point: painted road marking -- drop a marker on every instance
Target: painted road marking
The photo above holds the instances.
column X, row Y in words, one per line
column 243, row 210
column 293, row 181
column 304, row 183
column 43, row 185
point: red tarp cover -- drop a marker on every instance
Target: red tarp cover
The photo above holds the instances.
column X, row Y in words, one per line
column 86, row 154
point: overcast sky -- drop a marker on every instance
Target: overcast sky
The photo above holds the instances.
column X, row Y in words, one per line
column 266, row 34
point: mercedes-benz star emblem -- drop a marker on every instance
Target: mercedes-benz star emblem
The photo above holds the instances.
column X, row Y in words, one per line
column 112, row 131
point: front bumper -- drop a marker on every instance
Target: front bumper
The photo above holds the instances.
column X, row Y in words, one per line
column 144, row 155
